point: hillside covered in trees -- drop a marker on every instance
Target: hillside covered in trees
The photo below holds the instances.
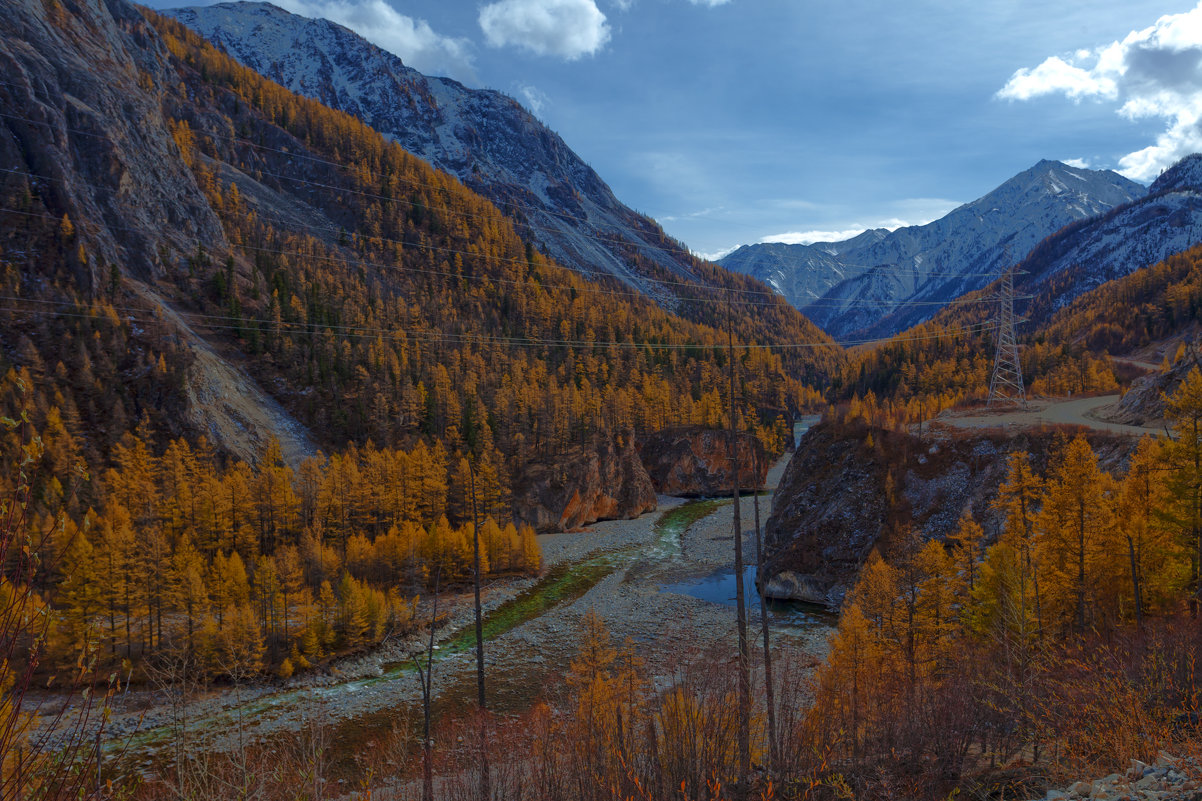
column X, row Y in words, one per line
column 949, row 359
column 195, row 210
column 163, row 209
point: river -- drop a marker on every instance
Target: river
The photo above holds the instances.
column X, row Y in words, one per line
column 664, row 580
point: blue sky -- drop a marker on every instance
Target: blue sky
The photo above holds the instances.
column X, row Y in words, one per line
column 742, row 121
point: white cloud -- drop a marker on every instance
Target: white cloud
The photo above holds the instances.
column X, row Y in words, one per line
column 1155, row 73
column 810, row 237
column 710, row 3
column 418, row 45
column 565, row 28
column 715, row 255
column 1057, row 75
column 1080, row 164
column 536, row 99
column 692, row 215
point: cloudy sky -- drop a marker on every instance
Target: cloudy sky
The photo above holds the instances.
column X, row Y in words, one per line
column 737, row 121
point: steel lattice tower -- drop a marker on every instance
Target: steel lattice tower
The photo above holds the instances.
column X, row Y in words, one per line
column 1007, row 381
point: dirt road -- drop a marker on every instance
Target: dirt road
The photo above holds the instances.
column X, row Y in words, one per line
column 1076, row 411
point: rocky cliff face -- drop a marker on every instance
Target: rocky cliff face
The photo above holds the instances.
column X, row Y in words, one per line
column 841, row 498
column 692, row 462
column 96, row 140
column 585, row 484
column 1144, row 401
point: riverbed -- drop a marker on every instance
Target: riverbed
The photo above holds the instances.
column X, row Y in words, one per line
column 664, row 581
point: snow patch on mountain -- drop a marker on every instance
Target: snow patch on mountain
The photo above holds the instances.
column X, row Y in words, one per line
column 879, row 284
column 484, row 138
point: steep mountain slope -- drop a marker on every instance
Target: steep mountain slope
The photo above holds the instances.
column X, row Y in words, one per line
column 155, row 229
column 903, row 278
column 801, row 273
column 1109, row 285
column 484, row 138
column 98, row 135
column 1089, row 253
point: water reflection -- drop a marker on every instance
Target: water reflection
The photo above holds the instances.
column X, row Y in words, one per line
column 719, row 588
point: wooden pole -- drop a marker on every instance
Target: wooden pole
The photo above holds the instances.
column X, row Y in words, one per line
column 741, row 600
column 480, row 699
column 769, row 699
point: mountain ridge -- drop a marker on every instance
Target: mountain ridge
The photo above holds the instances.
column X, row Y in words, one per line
column 483, row 137
column 934, row 263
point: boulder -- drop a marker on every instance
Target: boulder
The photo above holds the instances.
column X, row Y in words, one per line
column 789, row 586
column 584, row 484
column 690, row 461
column 1144, row 401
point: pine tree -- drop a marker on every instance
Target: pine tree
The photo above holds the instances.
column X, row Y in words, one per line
column 1158, row 566
column 187, row 589
column 240, row 643
column 1077, row 523
column 79, row 593
column 1184, row 410
column 969, row 539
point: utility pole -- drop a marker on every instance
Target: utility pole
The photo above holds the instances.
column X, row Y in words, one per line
column 1006, row 384
column 741, row 599
column 426, row 677
column 485, row 791
column 769, row 694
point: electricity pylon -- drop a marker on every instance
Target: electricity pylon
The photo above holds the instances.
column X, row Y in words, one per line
column 1007, row 381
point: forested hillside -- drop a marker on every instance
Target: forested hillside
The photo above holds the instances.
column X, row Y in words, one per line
column 394, row 313
column 377, row 298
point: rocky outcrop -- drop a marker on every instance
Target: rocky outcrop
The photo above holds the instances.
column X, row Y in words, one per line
column 1170, row 779
column 1144, row 401
column 83, row 117
column 846, row 492
column 583, row 485
column 691, row 461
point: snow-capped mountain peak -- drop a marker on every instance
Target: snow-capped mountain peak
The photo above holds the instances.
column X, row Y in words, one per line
column 486, row 139
column 881, row 284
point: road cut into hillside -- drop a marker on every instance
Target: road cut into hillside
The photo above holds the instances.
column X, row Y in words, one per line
column 1088, row 412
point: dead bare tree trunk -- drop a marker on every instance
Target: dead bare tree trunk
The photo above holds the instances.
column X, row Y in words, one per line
column 741, row 600
column 426, row 677
column 485, row 790
column 769, row 694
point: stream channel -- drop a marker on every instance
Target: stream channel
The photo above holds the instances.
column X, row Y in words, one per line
column 530, row 639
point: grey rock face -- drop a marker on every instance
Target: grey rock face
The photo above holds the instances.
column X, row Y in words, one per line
column 99, row 135
column 484, row 138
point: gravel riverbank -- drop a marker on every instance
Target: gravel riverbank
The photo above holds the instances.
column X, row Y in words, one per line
column 369, row 689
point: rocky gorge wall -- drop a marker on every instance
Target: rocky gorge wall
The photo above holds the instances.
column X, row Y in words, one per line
column 604, row 481
column 615, row 478
column 849, row 491
column 691, row 462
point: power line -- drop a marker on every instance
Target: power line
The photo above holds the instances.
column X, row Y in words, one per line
column 227, row 323
column 491, row 279
column 673, row 252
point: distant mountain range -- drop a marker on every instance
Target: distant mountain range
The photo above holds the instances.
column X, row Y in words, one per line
column 882, row 282
column 484, row 138
column 1090, row 252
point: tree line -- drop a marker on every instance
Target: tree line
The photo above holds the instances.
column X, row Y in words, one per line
column 956, row 655
column 266, row 568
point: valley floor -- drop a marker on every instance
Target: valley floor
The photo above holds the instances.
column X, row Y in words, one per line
column 656, row 572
